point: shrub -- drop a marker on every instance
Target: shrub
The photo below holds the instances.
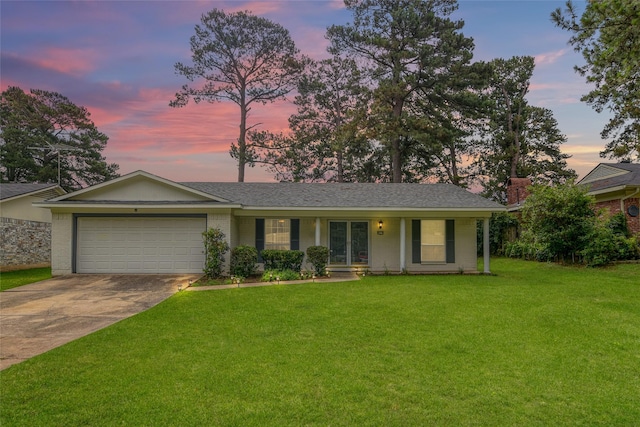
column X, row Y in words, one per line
column 215, row 247
column 318, row 257
column 244, row 261
column 608, row 242
column 559, row 219
column 275, row 259
column 280, row 275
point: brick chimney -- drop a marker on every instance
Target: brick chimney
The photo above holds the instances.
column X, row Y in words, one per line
column 517, row 191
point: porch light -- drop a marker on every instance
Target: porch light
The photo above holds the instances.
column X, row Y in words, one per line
column 380, row 225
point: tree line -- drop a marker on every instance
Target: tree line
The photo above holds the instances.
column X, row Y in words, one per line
column 399, row 99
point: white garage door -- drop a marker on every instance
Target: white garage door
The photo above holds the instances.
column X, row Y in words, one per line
column 140, row 245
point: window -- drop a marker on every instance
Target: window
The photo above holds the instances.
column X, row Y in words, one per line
column 432, row 241
column 277, row 234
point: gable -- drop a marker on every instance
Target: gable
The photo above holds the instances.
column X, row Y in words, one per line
column 603, row 171
column 139, row 189
column 138, row 186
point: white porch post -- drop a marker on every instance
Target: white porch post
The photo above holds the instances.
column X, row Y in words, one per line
column 317, row 231
column 486, row 247
column 403, row 264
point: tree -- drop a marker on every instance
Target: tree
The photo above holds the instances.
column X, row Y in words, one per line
column 408, row 46
column 558, row 219
column 242, row 58
column 519, row 140
column 43, row 136
column 608, row 35
column 327, row 142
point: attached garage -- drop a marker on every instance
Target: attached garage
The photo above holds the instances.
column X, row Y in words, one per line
column 135, row 245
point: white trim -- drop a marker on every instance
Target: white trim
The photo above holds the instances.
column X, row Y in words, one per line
column 134, row 205
column 486, row 249
column 611, row 190
column 403, row 242
column 54, row 187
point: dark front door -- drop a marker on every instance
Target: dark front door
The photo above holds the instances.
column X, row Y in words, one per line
column 349, row 243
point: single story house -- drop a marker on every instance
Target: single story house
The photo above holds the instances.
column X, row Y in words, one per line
column 25, row 229
column 616, row 186
column 142, row 223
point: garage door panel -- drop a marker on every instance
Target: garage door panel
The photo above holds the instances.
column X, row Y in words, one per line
column 140, row 245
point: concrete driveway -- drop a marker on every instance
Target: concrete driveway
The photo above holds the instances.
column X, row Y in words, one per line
column 38, row 317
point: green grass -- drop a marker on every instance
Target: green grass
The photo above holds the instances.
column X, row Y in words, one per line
column 538, row 344
column 13, row 279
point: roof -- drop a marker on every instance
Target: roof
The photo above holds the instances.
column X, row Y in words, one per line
column 345, row 195
column 284, row 196
column 612, row 175
column 12, row 190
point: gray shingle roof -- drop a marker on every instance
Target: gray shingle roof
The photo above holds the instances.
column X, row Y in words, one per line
column 10, row 190
column 630, row 178
column 346, row 195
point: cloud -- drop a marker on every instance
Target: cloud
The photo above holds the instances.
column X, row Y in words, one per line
column 72, row 61
column 549, row 57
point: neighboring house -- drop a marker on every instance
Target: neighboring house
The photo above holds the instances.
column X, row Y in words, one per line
column 25, row 229
column 616, row 187
column 142, row 223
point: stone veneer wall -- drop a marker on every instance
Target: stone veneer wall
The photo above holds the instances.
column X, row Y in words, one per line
column 24, row 243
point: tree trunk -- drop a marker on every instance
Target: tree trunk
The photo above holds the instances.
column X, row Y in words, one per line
column 242, row 141
column 396, row 166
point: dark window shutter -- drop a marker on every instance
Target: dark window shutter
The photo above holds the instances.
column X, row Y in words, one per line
column 450, row 241
column 416, row 257
column 259, row 237
column 294, row 243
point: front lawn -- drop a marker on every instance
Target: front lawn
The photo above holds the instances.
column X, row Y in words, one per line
column 13, row 279
column 538, row 344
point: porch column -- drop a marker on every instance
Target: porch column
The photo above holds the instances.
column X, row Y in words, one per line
column 486, row 247
column 403, row 264
column 317, row 231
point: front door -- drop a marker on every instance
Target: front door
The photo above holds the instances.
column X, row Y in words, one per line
column 349, row 243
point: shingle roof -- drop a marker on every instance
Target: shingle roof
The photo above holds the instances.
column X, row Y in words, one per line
column 632, row 177
column 10, row 190
column 346, row 195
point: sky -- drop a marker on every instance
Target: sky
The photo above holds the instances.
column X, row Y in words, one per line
column 116, row 58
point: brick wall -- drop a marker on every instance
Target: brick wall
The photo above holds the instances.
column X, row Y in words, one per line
column 517, row 191
column 24, row 243
column 614, row 207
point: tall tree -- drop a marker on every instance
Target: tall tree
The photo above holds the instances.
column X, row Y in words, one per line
column 327, row 142
column 242, row 58
column 608, row 35
column 520, row 140
column 409, row 46
column 43, row 136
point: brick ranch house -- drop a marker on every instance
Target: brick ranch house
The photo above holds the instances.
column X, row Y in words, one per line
column 615, row 187
column 142, row 223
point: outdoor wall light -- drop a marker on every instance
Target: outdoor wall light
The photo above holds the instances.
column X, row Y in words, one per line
column 380, row 225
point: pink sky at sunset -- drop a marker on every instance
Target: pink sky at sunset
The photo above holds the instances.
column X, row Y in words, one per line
column 116, row 58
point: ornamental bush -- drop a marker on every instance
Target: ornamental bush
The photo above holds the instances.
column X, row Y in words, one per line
column 215, row 247
column 244, row 261
column 280, row 275
column 318, row 257
column 275, row 259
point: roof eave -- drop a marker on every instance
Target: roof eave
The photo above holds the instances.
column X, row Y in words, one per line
column 134, row 205
column 55, row 187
